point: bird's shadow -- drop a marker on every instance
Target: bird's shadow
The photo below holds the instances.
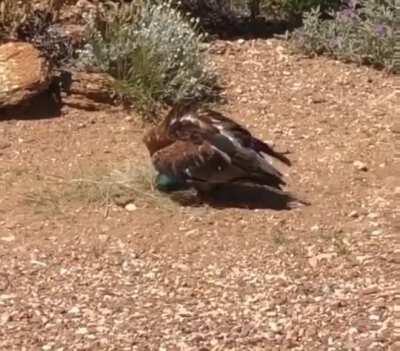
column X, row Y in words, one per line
column 246, row 196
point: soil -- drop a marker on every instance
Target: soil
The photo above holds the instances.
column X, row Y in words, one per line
column 88, row 275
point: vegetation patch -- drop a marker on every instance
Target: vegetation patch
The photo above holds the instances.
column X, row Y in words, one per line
column 153, row 53
column 100, row 187
column 363, row 33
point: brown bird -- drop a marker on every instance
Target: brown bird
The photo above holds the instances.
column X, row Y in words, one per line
column 201, row 148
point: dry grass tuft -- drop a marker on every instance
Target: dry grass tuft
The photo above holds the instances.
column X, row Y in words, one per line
column 120, row 186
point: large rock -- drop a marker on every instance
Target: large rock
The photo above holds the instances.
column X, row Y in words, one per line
column 89, row 91
column 23, row 73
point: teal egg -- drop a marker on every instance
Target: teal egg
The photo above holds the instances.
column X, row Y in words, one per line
column 168, row 183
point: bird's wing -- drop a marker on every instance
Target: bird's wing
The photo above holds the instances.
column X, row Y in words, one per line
column 232, row 129
column 189, row 160
column 200, row 132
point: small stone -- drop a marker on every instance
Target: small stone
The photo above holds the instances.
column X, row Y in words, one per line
column 241, row 41
column 361, row 166
column 4, row 318
column 353, row 214
column 8, row 239
column 5, row 297
column 104, row 237
column 38, row 263
column 315, row 228
column 82, row 331
column 377, row 232
column 275, row 327
column 373, row 215
column 130, row 207
column 397, row 190
column 75, row 311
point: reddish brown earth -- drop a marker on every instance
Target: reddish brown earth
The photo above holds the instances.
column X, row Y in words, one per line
column 79, row 275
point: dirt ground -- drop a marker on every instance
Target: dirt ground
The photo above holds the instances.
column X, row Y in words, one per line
column 84, row 275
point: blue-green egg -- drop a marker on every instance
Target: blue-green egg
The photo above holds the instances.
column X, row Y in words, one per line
column 168, row 183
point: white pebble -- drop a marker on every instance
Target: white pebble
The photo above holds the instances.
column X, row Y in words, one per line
column 361, row 166
column 131, row 207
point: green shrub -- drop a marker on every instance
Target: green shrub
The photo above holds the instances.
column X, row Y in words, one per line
column 220, row 17
column 295, row 8
column 284, row 9
column 364, row 34
column 152, row 52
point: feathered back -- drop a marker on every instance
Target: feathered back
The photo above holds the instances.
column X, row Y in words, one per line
column 203, row 146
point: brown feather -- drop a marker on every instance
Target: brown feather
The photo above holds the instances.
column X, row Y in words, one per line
column 204, row 145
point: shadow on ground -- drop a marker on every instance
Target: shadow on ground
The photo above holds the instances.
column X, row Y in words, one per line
column 42, row 106
column 245, row 196
column 45, row 105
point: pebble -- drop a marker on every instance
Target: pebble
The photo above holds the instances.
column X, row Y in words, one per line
column 377, row 232
column 130, row 207
column 4, row 318
column 74, row 311
column 8, row 238
column 353, row 214
column 82, row 331
column 361, row 166
column 315, row 228
column 38, row 263
column 275, row 327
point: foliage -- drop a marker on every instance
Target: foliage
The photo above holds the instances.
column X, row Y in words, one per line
column 219, row 17
column 230, row 18
column 295, row 8
column 152, row 52
column 288, row 9
column 40, row 29
column 12, row 14
column 22, row 21
column 364, row 34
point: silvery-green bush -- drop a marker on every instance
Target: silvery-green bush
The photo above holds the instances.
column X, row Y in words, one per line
column 362, row 32
column 151, row 50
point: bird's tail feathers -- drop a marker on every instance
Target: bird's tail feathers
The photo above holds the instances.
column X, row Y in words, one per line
column 266, row 149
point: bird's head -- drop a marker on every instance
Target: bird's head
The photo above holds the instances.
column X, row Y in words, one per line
column 156, row 138
column 150, row 140
column 181, row 108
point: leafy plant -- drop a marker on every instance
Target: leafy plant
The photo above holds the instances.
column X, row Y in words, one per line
column 220, row 17
column 288, row 9
column 361, row 32
column 298, row 7
column 152, row 52
column 39, row 29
